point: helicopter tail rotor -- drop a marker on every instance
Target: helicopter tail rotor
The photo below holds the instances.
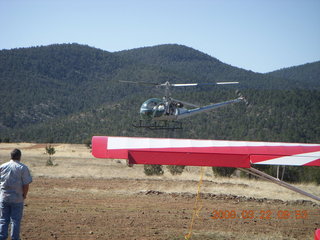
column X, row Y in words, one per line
column 240, row 96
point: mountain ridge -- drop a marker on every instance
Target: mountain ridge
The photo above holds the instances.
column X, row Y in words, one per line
column 47, row 84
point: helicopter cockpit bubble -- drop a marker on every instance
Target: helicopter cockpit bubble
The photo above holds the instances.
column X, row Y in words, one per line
column 153, row 107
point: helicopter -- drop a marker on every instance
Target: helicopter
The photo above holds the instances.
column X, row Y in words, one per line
column 165, row 113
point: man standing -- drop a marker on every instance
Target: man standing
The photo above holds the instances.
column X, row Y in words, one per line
column 14, row 185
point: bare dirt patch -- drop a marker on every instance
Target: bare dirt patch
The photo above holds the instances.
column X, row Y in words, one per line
column 80, row 208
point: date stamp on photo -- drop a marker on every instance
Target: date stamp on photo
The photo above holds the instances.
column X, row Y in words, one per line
column 259, row 214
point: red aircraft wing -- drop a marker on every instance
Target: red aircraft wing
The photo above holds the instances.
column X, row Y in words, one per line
column 192, row 152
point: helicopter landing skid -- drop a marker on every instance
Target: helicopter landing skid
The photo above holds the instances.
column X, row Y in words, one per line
column 158, row 125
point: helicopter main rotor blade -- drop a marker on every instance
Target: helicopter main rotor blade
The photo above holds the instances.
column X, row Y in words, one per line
column 226, row 83
column 184, row 84
column 138, row 82
column 167, row 84
column 199, row 84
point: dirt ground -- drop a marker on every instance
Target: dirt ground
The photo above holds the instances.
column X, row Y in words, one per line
column 86, row 198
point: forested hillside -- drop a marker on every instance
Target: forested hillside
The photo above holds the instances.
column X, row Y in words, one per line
column 70, row 92
column 308, row 74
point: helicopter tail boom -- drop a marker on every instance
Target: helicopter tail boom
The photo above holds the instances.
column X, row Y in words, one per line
column 207, row 108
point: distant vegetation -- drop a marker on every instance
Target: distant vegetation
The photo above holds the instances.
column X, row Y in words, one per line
column 50, row 150
column 175, row 169
column 67, row 93
column 151, row 170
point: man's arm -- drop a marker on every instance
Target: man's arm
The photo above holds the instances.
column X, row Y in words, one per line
column 25, row 189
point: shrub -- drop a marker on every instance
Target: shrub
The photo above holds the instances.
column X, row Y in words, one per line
column 150, row 170
column 175, row 169
column 50, row 151
column 88, row 143
column 310, row 174
column 223, row 171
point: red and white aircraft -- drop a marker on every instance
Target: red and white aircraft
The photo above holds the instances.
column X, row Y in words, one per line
column 217, row 153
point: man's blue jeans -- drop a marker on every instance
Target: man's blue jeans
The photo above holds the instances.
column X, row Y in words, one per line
column 10, row 211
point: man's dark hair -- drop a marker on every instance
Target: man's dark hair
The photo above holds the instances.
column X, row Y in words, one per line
column 16, row 154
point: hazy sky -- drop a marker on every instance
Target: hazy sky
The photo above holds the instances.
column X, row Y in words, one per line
column 257, row 35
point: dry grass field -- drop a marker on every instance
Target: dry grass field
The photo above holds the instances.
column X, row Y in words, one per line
column 86, row 198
